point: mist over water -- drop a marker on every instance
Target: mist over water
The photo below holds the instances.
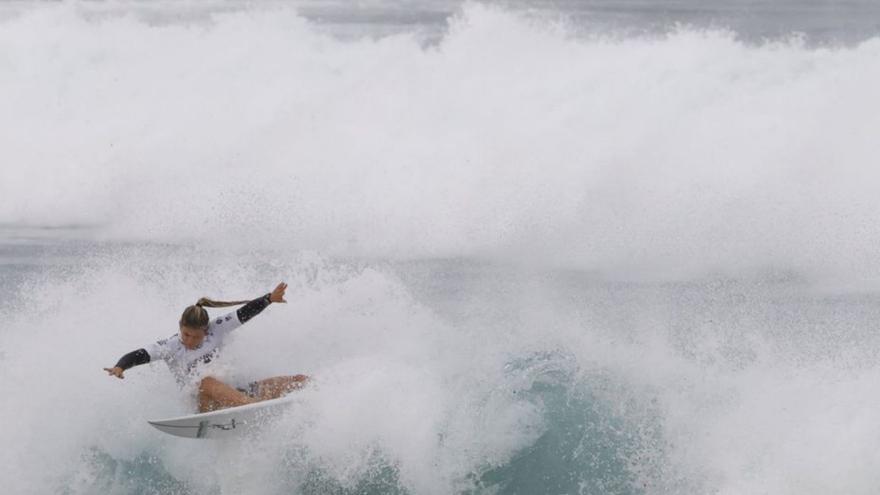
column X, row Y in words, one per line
column 529, row 250
column 509, row 138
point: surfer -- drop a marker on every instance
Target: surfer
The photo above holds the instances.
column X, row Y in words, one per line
column 199, row 341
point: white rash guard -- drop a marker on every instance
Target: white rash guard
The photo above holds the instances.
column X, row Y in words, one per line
column 182, row 361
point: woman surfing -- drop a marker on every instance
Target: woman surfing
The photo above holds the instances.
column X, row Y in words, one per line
column 199, row 341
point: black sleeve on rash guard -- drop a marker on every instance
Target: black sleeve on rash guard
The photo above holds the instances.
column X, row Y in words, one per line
column 133, row 358
column 253, row 308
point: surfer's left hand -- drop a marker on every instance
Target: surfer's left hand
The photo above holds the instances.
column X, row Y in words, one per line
column 277, row 295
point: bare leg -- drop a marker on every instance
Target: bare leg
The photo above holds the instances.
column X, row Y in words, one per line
column 214, row 394
column 273, row 388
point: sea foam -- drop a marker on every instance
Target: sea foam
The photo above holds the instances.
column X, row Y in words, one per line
column 512, row 138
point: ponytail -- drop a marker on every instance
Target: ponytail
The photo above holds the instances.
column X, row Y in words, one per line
column 210, row 303
column 195, row 316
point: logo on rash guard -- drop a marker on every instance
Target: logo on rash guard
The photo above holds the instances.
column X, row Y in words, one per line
column 228, row 317
column 219, row 320
column 202, row 360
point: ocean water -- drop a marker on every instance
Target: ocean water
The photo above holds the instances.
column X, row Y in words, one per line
column 534, row 247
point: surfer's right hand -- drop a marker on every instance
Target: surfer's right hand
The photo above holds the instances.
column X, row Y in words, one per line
column 115, row 371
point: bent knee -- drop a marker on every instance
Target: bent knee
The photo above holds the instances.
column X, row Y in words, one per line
column 208, row 381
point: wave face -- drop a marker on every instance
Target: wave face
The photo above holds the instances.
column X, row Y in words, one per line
column 522, row 258
column 441, row 377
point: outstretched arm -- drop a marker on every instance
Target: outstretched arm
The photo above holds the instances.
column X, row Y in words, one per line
column 255, row 307
column 131, row 359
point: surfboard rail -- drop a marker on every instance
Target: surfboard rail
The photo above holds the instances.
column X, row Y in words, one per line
column 220, row 423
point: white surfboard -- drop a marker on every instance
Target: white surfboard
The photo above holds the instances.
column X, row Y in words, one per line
column 222, row 423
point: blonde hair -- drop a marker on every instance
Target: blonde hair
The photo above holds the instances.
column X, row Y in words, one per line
column 195, row 316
